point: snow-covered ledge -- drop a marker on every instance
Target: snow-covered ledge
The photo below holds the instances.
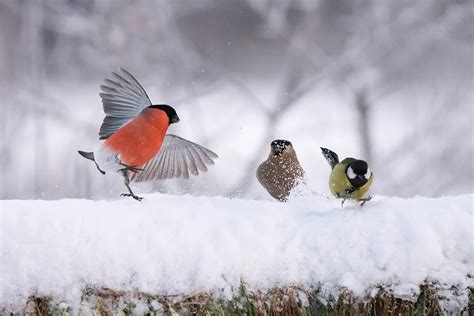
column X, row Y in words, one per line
column 183, row 244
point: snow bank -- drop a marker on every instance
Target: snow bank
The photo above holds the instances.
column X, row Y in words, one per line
column 181, row 244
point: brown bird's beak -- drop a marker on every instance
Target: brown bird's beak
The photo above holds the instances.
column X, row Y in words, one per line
column 279, row 145
column 277, row 150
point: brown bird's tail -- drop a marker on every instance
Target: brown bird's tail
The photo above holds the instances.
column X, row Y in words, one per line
column 90, row 156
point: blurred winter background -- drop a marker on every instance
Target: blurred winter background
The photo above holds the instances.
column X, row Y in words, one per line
column 387, row 81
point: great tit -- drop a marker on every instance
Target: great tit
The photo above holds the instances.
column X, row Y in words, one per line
column 281, row 172
column 350, row 178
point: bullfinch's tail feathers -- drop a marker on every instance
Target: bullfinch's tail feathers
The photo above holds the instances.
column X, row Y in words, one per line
column 87, row 155
column 90, row 155
column 330, row 156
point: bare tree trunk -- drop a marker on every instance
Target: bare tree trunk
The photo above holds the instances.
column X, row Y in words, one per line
column 363, row 110
column 35, row 66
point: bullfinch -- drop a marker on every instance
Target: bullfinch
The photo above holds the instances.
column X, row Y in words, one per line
column 135, row 142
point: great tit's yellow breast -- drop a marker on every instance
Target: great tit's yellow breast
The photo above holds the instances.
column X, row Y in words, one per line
column 362, row 191
column 338, row 181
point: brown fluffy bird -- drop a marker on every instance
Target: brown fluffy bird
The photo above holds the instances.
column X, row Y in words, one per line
column 281, row 172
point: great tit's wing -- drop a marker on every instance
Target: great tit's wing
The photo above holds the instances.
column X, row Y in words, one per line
column 330, row 156
column 123, row 98
column 177, row 158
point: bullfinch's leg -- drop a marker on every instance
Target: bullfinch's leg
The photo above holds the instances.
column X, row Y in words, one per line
column 342, row 202
column 127, row 182
column 129, row 168
column 367, row 199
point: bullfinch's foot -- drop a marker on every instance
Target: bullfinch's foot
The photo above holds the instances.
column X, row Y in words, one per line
column 138, row 198
column 367, row 199
column 129, row 168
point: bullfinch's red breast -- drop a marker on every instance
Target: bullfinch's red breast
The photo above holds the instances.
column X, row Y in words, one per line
column 135, row 139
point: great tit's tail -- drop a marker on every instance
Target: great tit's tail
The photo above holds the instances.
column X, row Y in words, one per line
column 90, row 156
column 330, row 156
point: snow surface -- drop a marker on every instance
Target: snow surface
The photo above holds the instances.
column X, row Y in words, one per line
column 181, row 244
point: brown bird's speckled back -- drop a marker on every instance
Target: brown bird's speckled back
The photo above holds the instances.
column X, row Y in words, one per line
column 280, row 173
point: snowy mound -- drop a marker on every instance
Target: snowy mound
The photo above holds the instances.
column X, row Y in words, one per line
column 182, row 244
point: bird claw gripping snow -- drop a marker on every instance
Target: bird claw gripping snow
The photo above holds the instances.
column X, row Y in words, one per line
column 138, row 198
column 342, row 202
column 367, row 199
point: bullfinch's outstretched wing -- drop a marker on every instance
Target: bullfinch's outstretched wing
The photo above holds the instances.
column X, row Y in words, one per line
column 123, row 98
column 177, row 158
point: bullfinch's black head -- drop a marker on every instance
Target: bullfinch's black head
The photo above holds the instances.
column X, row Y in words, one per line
column 172, row 115
column 279, row 146
column 358, row 173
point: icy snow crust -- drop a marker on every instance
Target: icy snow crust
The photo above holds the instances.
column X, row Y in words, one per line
column 182, row 244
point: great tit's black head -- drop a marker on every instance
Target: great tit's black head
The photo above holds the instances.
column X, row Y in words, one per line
column 358, row 173
column 170, row 111
column 359, row 167
column 279, row 145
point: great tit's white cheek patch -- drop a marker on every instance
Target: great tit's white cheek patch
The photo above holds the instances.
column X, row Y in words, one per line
column 368, row 173
column 350, row 173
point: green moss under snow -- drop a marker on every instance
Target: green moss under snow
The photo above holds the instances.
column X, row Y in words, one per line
column 285, row 301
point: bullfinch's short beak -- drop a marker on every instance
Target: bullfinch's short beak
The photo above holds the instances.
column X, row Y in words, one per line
column 175, row 119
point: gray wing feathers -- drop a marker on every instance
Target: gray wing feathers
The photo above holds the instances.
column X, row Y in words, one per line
column 191, row 163
column 198, row 158
column 177, row 158
column 123, row 98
